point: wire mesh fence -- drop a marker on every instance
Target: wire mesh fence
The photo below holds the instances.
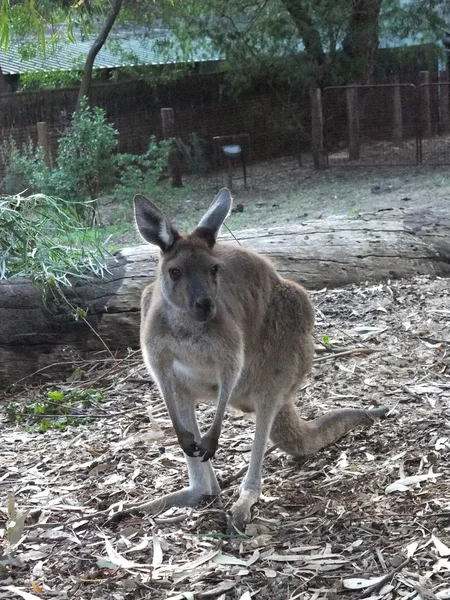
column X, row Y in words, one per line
column 387, row 124
column 274, row 129
column 383, row 124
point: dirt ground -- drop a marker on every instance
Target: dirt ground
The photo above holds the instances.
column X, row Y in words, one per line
column 281, row 191
column 366, row 518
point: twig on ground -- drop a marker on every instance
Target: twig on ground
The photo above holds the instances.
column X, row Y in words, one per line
column 376, row 586
column 349, row 352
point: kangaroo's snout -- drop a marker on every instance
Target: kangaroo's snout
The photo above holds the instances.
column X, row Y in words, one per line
column 204, row 308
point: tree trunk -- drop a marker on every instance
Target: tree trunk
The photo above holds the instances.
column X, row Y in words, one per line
column 361, row 40
column 309, row 33
column 331, row 252
column 100, row 40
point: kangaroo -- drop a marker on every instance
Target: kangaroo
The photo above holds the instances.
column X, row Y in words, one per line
column 219, row 324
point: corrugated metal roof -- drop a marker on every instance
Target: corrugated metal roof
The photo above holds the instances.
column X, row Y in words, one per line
column 120, row 51
column 131, row 48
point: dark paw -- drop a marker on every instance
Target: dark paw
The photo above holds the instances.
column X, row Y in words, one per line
column 188, row 444
column 208, row 447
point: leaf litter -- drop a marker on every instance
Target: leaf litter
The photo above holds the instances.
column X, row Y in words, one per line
column 368, row 517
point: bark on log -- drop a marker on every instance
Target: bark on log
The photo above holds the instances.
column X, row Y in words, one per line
column 332, row 252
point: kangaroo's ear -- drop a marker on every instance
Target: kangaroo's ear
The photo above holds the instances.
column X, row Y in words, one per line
column 209, row 226
column 153, row 226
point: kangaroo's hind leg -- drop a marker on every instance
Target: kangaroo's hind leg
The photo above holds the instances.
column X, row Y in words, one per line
column 250, row 489
column 202, row 479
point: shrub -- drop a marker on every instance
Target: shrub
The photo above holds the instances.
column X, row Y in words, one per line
column 86, row 160
column 86, row 166
column 24, row 170
column 141, row 172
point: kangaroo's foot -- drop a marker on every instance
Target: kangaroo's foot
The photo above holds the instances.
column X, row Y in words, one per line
column 375, row 414
column 240, row 513
column 184, row 497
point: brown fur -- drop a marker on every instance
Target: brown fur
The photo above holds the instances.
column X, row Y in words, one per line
column 252, row 352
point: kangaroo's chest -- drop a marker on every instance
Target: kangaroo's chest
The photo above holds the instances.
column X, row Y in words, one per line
column 192, row 371
column 200, row 380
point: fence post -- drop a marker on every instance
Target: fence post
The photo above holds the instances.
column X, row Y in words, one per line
column 397, row 117
column 354, row 149
column 317, row 129
column 425, row 103
column 44, row 142
column 444, row 108
column 174, row 164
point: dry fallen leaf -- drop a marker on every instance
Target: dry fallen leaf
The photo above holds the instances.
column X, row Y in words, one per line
column 226, row 559
column 21, row 593
column 157, row 552
column 402, row 485
column 359, row 583
column 441, row 548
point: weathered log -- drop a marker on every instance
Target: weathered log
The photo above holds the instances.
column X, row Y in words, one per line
column 331, row 252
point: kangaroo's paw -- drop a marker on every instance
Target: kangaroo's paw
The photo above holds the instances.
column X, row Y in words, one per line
column 184, row 497
column 240, row 513
column 187, row 442
column 208, row 446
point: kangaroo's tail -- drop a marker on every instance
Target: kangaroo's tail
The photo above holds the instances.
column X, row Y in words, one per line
column 298, row 437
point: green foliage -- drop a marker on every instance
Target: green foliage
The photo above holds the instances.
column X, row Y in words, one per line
column 141, row 172
column 35, row 241
column 24, row 169
column 24, row 17
column 297, row 44
column 87, row 166
column 49, row 80
column 86, row 161
column 56, row 411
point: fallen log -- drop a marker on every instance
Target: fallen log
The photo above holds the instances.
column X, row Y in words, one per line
column 332, row 252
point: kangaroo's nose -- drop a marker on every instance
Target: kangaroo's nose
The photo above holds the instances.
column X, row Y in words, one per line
column 204, row 304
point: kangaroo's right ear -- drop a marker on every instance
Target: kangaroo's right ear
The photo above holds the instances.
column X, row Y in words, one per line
column 153, row 226
column 209, row 226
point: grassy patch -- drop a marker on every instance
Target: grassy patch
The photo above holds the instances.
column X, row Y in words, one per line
column 57, row 410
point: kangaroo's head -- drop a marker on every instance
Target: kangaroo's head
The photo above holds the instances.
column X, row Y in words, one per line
column 189, row 269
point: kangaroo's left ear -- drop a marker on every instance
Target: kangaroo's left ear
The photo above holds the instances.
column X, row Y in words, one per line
column 210, row 224
column 153, row 226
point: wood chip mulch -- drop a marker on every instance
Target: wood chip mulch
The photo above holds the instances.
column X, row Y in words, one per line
column 366, row 518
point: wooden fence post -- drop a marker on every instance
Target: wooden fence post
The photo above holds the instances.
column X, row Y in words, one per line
column 425, row 102
column 354, row 148
column 317, row 129
column 444, row 107
column 44, row 142
column 174, row 164
column 397, row 116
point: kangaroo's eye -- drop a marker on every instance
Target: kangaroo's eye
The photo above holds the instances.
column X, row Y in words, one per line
column 175, row 274
column 215, row 269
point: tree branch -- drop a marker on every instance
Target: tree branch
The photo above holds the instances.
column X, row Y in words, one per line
column 98, row 44
column 307, row 30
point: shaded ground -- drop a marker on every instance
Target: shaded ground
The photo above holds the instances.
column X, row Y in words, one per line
column 281, row 191
column 322, row 522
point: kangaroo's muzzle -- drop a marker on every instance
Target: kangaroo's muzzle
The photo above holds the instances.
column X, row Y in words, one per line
column 204, row 309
